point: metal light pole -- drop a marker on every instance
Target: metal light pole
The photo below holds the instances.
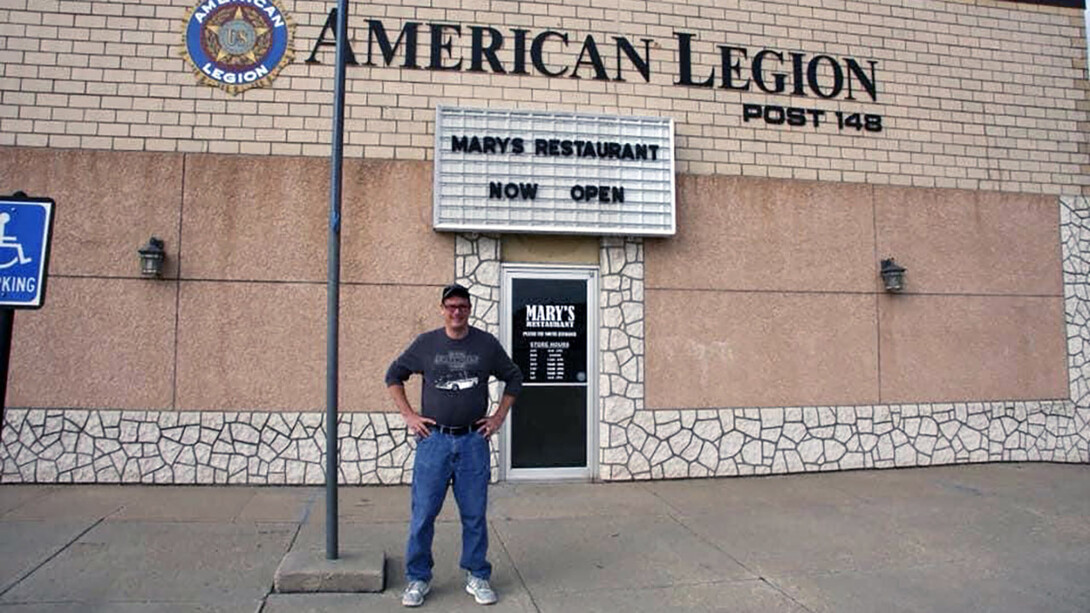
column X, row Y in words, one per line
column 333, row 285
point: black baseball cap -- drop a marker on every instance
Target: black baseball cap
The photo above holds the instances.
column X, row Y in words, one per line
column 454, row 291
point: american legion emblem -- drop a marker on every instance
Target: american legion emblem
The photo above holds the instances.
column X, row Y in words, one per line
column 237, row 45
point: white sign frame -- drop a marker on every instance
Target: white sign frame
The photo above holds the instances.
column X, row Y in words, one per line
column 639, row 159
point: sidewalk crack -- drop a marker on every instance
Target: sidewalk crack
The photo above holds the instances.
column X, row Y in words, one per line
column 50, row 558
column 518, row 573
column 303, row 517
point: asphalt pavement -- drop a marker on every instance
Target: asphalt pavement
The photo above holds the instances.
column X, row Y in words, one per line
column 988, row 537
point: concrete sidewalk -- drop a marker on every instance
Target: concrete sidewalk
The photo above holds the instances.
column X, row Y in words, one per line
column 998, row 537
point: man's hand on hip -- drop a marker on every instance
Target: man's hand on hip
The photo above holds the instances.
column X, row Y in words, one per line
column 488, row 426
column 418, row 424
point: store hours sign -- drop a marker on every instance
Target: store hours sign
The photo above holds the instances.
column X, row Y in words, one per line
column 549, row 331
column 542, row 172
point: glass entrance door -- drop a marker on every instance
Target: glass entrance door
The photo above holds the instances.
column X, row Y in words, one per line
column 550, row 329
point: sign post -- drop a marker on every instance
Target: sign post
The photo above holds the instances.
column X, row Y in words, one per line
column 26, row 226
column 333, row 286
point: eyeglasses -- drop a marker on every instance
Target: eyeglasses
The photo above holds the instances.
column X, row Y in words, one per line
column 454, row 308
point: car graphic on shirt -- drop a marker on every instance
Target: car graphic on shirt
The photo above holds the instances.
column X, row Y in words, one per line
column 464, row 383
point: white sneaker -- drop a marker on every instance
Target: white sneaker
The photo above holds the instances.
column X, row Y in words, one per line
column 480, row 590
column 414, row 593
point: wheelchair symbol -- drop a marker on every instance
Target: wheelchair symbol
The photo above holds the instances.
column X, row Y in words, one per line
column 11, row 242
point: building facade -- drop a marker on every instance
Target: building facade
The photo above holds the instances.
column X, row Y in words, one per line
column 810, row 141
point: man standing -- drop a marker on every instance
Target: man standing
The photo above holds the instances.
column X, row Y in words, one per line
column 452, row 433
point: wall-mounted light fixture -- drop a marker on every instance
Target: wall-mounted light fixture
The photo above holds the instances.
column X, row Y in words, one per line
column 151, row 258
column 893, row 275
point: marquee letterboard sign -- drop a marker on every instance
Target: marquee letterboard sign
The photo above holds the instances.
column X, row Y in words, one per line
column 536, row 171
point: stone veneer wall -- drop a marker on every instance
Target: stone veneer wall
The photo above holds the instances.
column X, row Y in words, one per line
column 477, row 266
column 1075, row 250
column 88, row 446
column 621, row 376
column 94, row 446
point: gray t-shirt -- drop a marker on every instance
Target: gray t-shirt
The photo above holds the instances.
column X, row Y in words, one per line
column 456, row 372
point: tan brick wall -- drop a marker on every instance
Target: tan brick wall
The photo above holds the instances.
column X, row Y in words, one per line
column 974, row 95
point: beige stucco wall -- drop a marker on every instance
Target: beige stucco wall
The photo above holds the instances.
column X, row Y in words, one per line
column 238, row 322
column 550, row 248
column 770, row 296
column 985, row 95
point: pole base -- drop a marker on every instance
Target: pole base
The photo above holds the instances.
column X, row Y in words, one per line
column 310, row 571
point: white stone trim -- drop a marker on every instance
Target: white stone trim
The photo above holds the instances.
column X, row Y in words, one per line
column 621, row 354
column 211, row 447
column 749, row 441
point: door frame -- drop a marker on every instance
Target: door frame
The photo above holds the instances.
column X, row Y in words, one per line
column 590, row 274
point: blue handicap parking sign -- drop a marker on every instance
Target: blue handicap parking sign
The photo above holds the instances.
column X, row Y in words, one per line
column 25, row 225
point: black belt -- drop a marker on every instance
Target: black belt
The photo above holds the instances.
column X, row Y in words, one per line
column 452, row 430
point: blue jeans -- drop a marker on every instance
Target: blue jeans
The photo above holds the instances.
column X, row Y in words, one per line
column 464, row 463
